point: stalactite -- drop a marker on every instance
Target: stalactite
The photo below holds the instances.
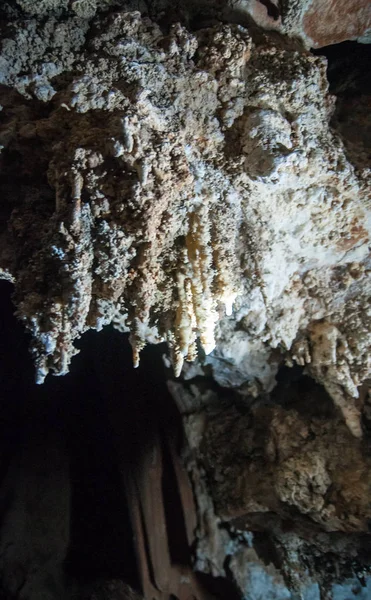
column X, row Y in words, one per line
column 192, row 174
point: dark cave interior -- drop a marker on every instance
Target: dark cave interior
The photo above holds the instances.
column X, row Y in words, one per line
column 76, row 408
column 348, row 69
column 105, row 412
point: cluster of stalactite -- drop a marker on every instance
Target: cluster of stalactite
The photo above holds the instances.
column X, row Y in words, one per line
column 190, row 189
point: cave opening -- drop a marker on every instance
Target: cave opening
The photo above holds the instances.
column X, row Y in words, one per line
column 349, row 77
column 80, row 411
column 348, row 70
column 99, row 449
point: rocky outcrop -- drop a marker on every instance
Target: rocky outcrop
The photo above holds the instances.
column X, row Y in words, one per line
column 189, row 187
column 315, row 23
column 281, row 490
column 325, row 23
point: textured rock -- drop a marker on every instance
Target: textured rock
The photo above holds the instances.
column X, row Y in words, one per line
column 282, row 491
column 324, row 23
column 183, row 178
column 314, row 22
column 197, row 185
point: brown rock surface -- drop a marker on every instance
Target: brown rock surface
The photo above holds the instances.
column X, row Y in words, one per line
column 189, row 187
column 332, row 22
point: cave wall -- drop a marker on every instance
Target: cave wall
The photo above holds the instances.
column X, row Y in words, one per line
column 195, row 192
column 192, row 175
column 315, row 23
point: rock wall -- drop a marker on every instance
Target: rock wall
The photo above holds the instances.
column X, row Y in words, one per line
column 188, row 177
column 314, row 22
column 284, row 517
column 189, row 187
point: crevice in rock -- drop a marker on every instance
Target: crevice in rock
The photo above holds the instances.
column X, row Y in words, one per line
column 348, row 70
column 272, row 9
column 294, row 390
column 349, row 77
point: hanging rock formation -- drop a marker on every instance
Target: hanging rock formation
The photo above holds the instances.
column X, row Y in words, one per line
column 195, row 182
column 189, row 186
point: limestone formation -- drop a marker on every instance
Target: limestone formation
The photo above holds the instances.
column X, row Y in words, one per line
column 323, row 23
column 190, row 188
column 193, row 181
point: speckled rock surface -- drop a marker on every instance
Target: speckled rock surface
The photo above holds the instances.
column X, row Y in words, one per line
column 323, row 23
column 190, row 187
column 282, row 491
column 313, row 22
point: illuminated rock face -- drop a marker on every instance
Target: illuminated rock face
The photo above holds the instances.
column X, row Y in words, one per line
column 324, row 23
column 190, row 187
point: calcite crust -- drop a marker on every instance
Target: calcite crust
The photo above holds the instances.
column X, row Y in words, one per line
column 191, row 188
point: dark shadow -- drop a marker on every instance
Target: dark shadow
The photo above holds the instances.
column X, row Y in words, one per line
column 73, row 407
column 108, row 416
column 348, row 68
column 220, row 587
column 296, row 391
column 349, row 75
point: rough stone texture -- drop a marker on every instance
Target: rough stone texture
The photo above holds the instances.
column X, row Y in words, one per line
column 181, row 178
column 319, row 23
column 276, row 514
column 333, row 22
column 314, row 22
column 197, row 185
